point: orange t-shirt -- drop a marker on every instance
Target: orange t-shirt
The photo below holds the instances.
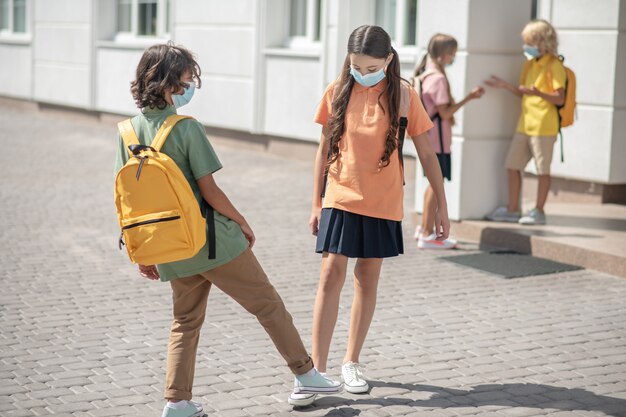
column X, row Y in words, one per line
column 355, row 181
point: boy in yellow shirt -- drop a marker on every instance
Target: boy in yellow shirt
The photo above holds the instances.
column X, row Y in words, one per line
column 542, row 89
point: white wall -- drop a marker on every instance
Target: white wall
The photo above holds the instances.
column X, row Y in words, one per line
column 593, row 43
column 62, row 52
column 16, row 70
column 222, row 35
column 252, row 83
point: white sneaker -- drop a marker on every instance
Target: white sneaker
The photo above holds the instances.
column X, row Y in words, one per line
column 418, row 232
column 353, row 379
column 431, row 242
column 502, row 214
column 534, row 216
column 301, row 400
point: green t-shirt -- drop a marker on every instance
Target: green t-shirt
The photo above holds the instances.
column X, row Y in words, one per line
column 189, row 147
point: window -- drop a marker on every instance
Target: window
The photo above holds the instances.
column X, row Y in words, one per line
column 533, row 10
column 304, row 22
column 137, row 18
column 13, row 16
column 399, row 19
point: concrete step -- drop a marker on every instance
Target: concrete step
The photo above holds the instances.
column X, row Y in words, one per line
column 592, row 236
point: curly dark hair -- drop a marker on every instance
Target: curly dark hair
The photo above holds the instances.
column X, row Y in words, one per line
column 375, row 42
column 160, row 69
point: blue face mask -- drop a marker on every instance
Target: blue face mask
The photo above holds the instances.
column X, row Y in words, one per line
column 531, row 52
column 368, row 80
column 180, row 100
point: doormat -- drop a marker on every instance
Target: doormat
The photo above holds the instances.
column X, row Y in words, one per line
column 510, row 264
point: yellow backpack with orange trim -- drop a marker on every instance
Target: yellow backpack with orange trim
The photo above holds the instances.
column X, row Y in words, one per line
column 159, row 216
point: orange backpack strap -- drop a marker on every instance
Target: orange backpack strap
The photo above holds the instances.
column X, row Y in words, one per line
column 525, row 70
column 128, row 134
column 165, row 129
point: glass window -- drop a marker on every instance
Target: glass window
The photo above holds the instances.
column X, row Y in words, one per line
column 304, row 22
column 399, row 19
column 386, row 16
column 533, row 10
column 147, row 23
column 138, row 18
column 298, row 13
column 124, row 13
column 13, row 16
column 4, row 15
column 19, row 16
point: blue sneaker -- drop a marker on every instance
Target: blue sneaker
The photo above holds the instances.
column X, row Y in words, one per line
column 315, row 384
column 192, row 410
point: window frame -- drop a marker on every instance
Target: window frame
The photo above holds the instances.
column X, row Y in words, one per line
column 312, row 33
column 163, row 21
column 401, row 23
column 9, row 33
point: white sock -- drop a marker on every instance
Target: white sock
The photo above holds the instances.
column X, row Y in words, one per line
column 177, row 406
column 311, row 372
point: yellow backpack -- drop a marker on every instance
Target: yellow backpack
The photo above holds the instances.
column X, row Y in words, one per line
column 158, row 213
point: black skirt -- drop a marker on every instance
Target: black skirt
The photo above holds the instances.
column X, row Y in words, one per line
column 445, row 162
column 357, row 236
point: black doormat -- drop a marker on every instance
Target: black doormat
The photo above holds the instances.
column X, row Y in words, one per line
column 510, row 264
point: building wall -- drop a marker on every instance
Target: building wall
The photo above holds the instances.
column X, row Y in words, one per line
column 252, row 83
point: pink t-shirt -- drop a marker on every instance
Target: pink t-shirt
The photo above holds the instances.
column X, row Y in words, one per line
column 435, row 93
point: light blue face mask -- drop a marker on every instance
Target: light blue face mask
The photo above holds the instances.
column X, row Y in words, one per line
column 180, row 100
column 531, row 52
column 368, row 80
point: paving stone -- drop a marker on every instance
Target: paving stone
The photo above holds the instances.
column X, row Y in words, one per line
column 83, row 335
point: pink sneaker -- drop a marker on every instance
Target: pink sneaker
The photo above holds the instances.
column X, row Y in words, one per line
column 430, row 242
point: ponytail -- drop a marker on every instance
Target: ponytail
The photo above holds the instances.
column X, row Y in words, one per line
column 420, row 69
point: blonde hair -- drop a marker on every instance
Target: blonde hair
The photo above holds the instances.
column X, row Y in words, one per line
column 543, row 35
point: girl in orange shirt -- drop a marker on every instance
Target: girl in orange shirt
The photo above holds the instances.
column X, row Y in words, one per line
column 360, row 214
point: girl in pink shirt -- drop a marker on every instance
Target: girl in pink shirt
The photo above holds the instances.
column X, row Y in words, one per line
column 432, row 84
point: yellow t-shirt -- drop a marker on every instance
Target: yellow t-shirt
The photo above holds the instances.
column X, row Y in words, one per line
column 539, row 117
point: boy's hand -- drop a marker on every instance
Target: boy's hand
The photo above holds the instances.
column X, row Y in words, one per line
column 149, row 271
column 496, row 82
column 532, row 91
column 248, row 233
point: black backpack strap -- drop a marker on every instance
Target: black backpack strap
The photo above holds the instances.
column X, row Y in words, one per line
column 209, row 214
column 403, row 123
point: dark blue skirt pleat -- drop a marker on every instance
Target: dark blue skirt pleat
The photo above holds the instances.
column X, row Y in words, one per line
column 357, row 236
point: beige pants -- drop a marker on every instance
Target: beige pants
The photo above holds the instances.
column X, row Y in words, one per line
column 242, row 279
column 523, row 148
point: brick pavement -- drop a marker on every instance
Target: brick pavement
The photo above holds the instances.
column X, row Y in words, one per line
column 82, row 335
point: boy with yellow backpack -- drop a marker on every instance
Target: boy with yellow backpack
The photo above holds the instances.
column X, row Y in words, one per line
column 548, row 92
column 179, row 226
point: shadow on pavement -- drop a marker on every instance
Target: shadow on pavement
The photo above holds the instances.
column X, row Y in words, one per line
column 537, row 396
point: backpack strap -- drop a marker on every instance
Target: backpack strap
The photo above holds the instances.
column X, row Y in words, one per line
column 127, row 132
column 205, row 208
column 404, row 122
column 165, row 129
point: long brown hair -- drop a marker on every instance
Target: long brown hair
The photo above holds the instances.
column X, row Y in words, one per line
column 160, row 69
column 375, row 42
column 439, row 45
